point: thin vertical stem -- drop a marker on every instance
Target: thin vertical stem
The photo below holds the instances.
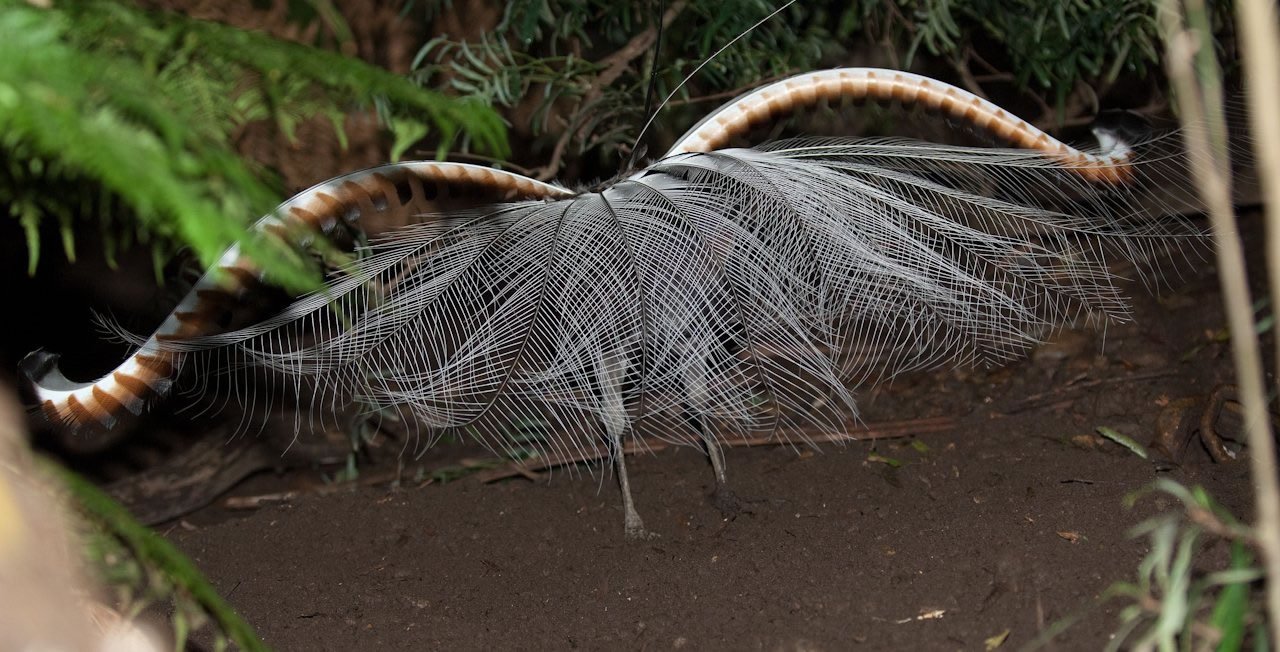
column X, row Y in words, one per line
column 1260, row 41
column 1196, row 80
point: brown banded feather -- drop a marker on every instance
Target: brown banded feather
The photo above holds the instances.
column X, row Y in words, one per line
column 802, row 92
column 381, row 192
column 79, row 413
column 159, row 365
column 396, row 195
column 138, row 388
column 215, row 300
column 430, row 190
column 374, row 200
column 356, row 196
column 328, row 210
column 241, row 279
column 306, row 218
column 110, row 404
column 415, row 188
column 51, row 412
column 195, row 320
column 203, row 319
column 404, row 191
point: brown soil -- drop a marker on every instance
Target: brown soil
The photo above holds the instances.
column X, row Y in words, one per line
column 1011, row 521
column 1008, row 522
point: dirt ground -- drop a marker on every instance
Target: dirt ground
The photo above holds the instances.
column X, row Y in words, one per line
column 1005, row 521
column 1009, row 521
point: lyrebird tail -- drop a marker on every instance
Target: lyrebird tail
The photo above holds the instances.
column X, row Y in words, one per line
column 733, row 284
column 770, row 275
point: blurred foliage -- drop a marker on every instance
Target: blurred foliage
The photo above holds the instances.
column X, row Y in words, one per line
column 1049, row 47
column 1199, row 587
column 552, row 65
column 544, row 60
column 96, row 96
column 1181, row 599
column 1053, row 45
column 126, row 117
column 143, row 569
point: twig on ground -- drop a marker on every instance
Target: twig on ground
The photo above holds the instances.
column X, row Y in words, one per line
column 886, row 430
column 1060, row 392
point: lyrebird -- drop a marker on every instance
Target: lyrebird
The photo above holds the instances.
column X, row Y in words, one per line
column 725, row 288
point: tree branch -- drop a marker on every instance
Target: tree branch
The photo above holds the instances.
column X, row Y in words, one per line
column 613, row 66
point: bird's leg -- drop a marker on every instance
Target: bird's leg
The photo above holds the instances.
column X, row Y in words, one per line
column 722, row 497
column 632, row 524
column 695, row 379
column 715, row 454
column 612, row 371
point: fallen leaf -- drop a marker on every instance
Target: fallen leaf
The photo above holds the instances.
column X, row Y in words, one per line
column 925, row 614
column 876, row 457
column 997, row 640
column 1087, row 442
column 1123, row 440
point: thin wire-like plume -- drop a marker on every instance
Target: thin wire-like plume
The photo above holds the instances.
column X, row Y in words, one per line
column 760, row 272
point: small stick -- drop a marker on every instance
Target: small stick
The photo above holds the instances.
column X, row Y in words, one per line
column 1059, row 392
column 246, row 503
column 886, row 430
column 528, row 468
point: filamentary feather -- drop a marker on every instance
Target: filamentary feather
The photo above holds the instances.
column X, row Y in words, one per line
column 694, row 269
column 727, row 287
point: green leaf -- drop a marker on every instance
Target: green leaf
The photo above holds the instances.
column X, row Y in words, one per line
column 106, row 104
column 1124, row 440
column 1230, row 610
column 406, row 132
column 876, row 457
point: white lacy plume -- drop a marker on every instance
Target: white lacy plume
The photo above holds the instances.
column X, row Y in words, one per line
column 749, row 287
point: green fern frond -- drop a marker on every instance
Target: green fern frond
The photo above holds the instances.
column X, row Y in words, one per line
column 1043, row 47
column 548, row 55
column 103, row 97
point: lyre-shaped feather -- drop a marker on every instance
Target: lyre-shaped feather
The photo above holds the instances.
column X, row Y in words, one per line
column 378, row 199
column 728, row 287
